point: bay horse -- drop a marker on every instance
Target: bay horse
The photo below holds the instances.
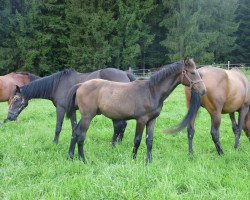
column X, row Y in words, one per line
column 9, row 81
column 141, row 100
column 55, row 88
column 228, row 91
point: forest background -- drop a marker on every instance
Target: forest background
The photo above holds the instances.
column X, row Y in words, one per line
column 44, row 36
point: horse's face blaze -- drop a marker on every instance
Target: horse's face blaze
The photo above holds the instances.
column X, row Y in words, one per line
column 17, row 104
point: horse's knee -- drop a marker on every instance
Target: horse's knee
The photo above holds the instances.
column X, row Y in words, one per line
column 137, row 141
column 80, row 139
column 149, row 143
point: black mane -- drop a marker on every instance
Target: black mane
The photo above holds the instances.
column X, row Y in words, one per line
column 166, row 71
column 44, row 87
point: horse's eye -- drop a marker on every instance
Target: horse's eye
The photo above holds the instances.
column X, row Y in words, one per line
column 193, row 73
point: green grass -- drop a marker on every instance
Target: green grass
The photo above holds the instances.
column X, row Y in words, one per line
column 32, row 167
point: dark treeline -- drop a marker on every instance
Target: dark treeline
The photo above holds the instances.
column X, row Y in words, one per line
column 44, row 36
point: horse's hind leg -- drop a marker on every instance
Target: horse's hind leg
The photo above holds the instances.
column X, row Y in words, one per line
column 138, row 135
column 119, row 128
column 123, row 125
column 242, row 115
column 215, row 125
column 234, row 124
column 149, row 139
column 246, row 125
column 81, row 135
column 59, row 121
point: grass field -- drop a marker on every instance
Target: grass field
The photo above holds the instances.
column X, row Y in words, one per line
column 32, row 167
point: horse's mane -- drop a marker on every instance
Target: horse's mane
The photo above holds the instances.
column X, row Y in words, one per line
column 166, row 71
column 44, row 87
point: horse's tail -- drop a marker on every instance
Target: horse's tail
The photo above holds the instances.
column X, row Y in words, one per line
column 131, row 76
column 195, row 103
column 70, row 104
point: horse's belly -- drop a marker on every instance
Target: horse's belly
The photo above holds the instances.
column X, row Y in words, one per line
column 230, row 107
column 116, row 110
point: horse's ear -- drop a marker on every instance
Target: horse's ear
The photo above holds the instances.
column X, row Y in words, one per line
column 188, row 61
column 17, row 89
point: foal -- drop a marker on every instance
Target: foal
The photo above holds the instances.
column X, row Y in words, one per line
column 141, row 100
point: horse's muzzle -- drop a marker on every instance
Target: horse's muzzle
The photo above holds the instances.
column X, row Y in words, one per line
column 11, row 117
column 202, row 92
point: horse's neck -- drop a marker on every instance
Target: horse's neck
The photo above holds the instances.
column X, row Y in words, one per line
column 164, row 88
column 36, row 93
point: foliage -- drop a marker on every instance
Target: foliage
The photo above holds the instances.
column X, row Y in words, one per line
column 241, row 52
column 202, row 29
column 46, row 36
column 32, row 167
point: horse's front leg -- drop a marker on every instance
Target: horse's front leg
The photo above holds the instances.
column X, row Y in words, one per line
column 138, row 135
column 242, row 115
column 149, row 139
column 59, row 121
column 119, row 128
column 215, row 132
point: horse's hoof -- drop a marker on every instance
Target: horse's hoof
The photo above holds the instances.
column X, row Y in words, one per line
column 82, row 159
column 190, row 152
column 70, row 157
column 55, row 141
column 148, row 161
column 113, row 144
column 236, row 148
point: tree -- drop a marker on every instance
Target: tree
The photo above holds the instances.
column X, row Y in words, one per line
column 241, row 51
column 43, row 36
column 9, row 53
column 203, row 29
column 132, row 34
column 91, row 25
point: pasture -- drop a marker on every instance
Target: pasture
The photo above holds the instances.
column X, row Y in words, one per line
column 32, row 167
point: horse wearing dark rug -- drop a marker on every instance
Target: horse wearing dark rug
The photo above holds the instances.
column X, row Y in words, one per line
column 55, row 88
column 141, row 100
column 228, row 91
column 8, row 83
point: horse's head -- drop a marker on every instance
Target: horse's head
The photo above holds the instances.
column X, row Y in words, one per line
column 190, row 77
column 246, row 125
column 17, row 104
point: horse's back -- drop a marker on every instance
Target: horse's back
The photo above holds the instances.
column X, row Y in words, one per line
column 113, row 74
column 113, row 99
